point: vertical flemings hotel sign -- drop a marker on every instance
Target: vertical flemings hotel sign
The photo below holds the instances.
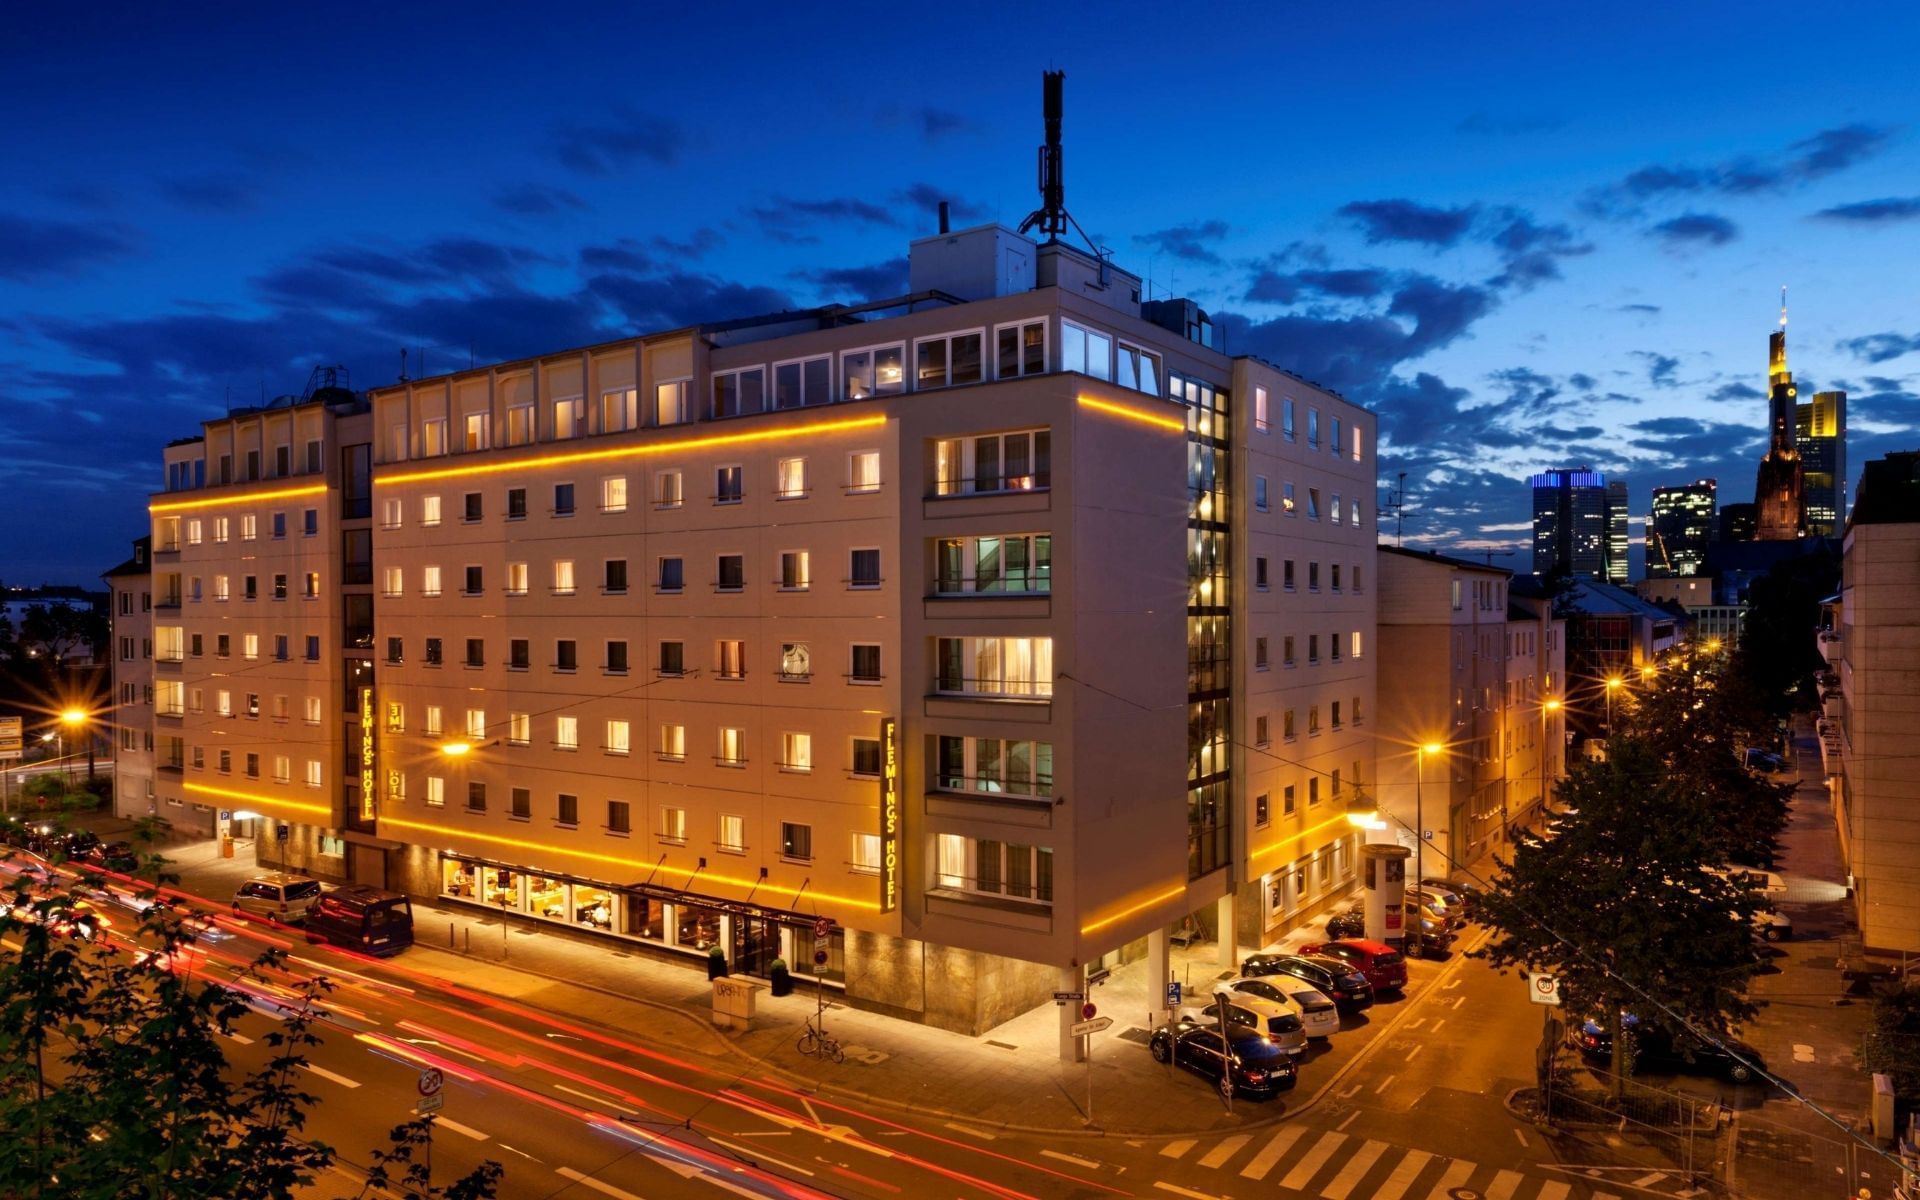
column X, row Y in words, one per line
column 367, row 773
column 889, row 818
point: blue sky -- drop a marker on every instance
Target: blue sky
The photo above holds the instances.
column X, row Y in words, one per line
column 1528, row 235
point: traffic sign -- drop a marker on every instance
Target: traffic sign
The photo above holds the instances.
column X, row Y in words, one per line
column 1063, row 997
column 1173, row 993
column 12, row 738
column 1083, row 1028
column 431, row 1104
column 1543, row 988
column 1087, row 1010
column 819, row 958
column 822, row 926
column 431, row 1081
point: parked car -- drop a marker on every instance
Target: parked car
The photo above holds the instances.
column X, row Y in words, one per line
column 1767, row 883
column 1658, row 1051
column 278, row 895
column 1464, row 895
column 1334, row 977
column 1350, row 923
column 1436, row 931
column 1281, row 1020
column 1766, row 761
column 362, row 918
column 1771, row 926
column 1319, row 1015
column 113, row 856
column 1384, row 967
column 1245, row 1063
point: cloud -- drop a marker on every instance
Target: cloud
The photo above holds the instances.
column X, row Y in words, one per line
column 878, row 281
column 1880, row 347
column 789, row 220
column 536, row 200
column 628, row 137
column 1644, row 310
column 1884, row 211
column 1802, row 162
column 1408, row 221
column 1670, row 427
column 936, row 123
column 357, row 276
column 680, row 298
column 1188, row 242
column 211, row 193
column 697, row 244
column 1286, row 287
column 1695, row 229
column 1508, row 126
column 1736, row 392
column 1660, row 368
column 1531, row 251
column 31, row 248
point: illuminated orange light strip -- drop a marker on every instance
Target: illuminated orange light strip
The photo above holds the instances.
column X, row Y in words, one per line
column 1124, row 913
column 770, row 434
column 1132, row 414
column 265, row 801
column 1301, row 836
column 614, row 859
column 318, row 489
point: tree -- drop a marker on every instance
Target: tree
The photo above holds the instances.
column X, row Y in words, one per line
column 57, row 630
column 1621, row 907
column 1777, row 651
column 114, row 1080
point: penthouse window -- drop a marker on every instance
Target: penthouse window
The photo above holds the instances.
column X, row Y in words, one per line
column 433, row 437
column 619, row 410
column 520, row 425
column 998, row 462
column 1009, row 667
column 1020, row 349
column 948, row 361
column 997, row 565
column 1086, row 351
column 1137, row 369
column 736, row 393
column 807, row 381
column 671, row 402
column 877, row 371
column 478, row 431
column 569, row 417
column 996, row 766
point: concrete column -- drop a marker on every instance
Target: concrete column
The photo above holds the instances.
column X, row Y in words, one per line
column 1157, row 975
column 1070, row 980
column 1227, row 910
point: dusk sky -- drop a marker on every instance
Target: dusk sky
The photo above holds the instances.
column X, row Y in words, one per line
column 1529, row 236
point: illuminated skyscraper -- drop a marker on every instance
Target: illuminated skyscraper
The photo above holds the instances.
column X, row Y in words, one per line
column 1779, row 488
column 1681, row 528
column 1571, row 529
column 1616, row 569
column 1820, row 434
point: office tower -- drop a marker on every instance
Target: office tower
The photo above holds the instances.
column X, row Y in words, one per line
column 1617, row 511
column 1779, row 488
column 1572, row 532
column 1683, row 524
column 1820, row 434
column 1737, row 522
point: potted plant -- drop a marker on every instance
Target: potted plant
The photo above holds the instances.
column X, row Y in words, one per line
column 716, row 963
column 779, row 977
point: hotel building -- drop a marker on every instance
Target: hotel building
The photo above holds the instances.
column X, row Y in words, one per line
column 952, row 649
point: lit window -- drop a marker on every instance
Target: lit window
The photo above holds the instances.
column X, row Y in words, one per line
column 796, row 752
column 613, row 494
column 619, row 739
column 667, row 489
column 619, row 410
column 429, row 510
column 995, row 666
column 866, row 854
column 519, row 729
column 947, row 361
column 790, row 479
column 863, row 471
column 670, row 405
column 873, row 372
column 563, row 577
column 795, row 574
column 436, row 792
column 733, row 833
column 569, row 417
column 733, row 747
column 673, row 825
column 566, row 733
column 673, row 742
column 1020, row 350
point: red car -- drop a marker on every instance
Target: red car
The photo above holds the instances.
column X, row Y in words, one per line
column 1383, row 966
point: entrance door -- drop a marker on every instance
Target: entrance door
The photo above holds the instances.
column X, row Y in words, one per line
column 367, row 864
column 755, row 945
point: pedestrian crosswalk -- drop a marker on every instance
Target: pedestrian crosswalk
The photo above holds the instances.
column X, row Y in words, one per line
column 1301, row 1162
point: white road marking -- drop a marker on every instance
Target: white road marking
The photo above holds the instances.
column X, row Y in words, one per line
column 1385, row 1084
column 1176, row 1149
column 342, row 1080
column 605, row 1189
column 1350, row 1116
column 1648, row 1179
column 1521, row 1138
column 237, row 1036
column 1456, row 1177
column 1802, row 1053
column 1177, row 1190
column 1272, row 1152
column 1458, row 1001
column 457, row 1127
column 1075, row 1159
column 561, row 1087
column 1413, row 1024
column 1396, row 1184
column 1450, row 984
column 1437, row 1023
column 1227, row 1148
column 1310, row 1164
column 520, row 1152
column 1350, row 1092
column 970, row 1131
column 1355, row 1170
column 758, row 1156
column 1504, row 1185
column 1554, row 1190
column 1415, row 1052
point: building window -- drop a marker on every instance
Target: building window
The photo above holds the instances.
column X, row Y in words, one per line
column 947, row 361
column 879, row 371
column 476, row 796
column 472, row 508
column 993, row 868
column 798, row 384
column 733, row 747
column 1019, row 667
column 516, row 504
column 727, row 485
column 864, row 569
column 1020, row 350
column 1137, row 369
column 1260, row 572
column 866, row 756
column 673, row 658
column 519, row 656
column 790, row 479
column 866, row 663
column 1313, row 428
column 672, row 576
column 432, row 655
column 569, row 417
column 995, row 766
column 1356, row 647
column 436, row 792
column 1287, row 730
column 563, row 577
column 1313, row 648
column 668, row 490
column 566, row 656
column 866, row 854
column 619, row 410
column 863, row 471
column 1313, row 576
column 431, row 724
column 614, row 577
column 673, row 743
column 520, row 425
column 795, row 574
column 1287, row 803
column 566, row 733
column 1085, row 351
column 516, row 579
column 796, row 752
column 619, row 817
column 520, row 803
column 730, row 573
column 430, row 581
column 1260, row 737
column 616, row 658
column 671, row 404
column 673, row 825
column 474, row 581
column 796, row 662
column 433, row 437
column 519, row 729
column 1003, row 462
column 613, row 494
column 562, row 499
column 1020, row 563
column 1260, row 421
column 736, row 393
column 730, row 655
column 1260, row 654
column 567, row 809
column 796, row 841
column 1260, row 493
column 1261, row 813
column 476, row 652
column 393, row 582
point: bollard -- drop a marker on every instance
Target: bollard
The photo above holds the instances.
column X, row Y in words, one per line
column 469, row 939
column 449, row 935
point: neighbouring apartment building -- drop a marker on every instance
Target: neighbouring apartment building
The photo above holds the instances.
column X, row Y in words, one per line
column 130, row 674
column 1473, row 726
column 995, row 630
column 1874, row 648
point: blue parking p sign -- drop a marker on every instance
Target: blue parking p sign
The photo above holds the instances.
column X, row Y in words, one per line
column 1173, row 993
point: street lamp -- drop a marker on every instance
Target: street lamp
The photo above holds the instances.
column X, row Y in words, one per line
column 76, row 719
column 1614, row 683
column 1419, row 821
column 1546, row 761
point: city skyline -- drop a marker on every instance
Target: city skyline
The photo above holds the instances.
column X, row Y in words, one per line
column 1501, row 301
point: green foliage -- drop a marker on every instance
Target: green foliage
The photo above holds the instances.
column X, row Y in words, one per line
column 1778, row 655
column 1620, row 904
column 1892, row 1043
column 114, row 1080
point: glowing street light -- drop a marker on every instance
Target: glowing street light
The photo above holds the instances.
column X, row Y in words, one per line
column 1419, row 819
column 456, row 749
column 1614, row 684
column 1549, row 705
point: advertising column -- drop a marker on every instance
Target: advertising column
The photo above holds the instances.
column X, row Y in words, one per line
column 1385, row 880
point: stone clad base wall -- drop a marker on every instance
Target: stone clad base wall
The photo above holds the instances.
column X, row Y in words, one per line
column 962, row 991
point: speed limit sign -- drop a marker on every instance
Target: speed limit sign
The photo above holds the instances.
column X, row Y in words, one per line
column 1543, row 988
column 431, row 1081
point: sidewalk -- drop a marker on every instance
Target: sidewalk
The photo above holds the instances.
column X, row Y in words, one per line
column 1010, row 1078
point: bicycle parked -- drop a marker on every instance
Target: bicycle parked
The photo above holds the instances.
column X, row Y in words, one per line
column 817, row 1042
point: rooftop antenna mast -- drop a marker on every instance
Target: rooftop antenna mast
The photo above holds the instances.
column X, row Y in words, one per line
column 1052, row 217
column 1397, row 501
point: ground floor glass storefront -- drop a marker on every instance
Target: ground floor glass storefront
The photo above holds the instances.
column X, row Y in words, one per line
column 691, row 925
column 1291, row 890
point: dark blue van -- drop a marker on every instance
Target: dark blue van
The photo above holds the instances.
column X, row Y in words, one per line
column 361, row 918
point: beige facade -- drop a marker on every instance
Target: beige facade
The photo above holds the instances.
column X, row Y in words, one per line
column 128, row 720
column 922, row 639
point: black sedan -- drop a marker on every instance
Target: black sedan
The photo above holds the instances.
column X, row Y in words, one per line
column 1657, row 1051
column 1256, row 1066
column 1342, row 984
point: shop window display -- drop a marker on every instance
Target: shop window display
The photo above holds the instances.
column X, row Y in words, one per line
column 695, row 926
column 593, row 907
column 547, row 897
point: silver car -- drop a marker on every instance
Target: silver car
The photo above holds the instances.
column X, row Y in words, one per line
column 1319, row 1015
column 277, row 895
column 1281, row 1020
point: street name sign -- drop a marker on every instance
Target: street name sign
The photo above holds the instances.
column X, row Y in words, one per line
column 1083, row 1028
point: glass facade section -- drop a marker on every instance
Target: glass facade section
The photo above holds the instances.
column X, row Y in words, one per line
column 1209, row 626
